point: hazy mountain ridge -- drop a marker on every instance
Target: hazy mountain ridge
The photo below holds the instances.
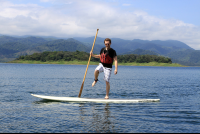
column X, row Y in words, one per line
column 13, row 47
column 186, row 57
column 168, row 48
column 123, row 46
column 62, row 45
column 142, row 52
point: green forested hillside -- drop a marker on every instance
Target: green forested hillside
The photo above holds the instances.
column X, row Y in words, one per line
column 6, row 52
column 6, row 39
column 83, row 56
column 30, row 41
column 186, row 57
column 142, row 52
column 62, row 45
column 11, row 47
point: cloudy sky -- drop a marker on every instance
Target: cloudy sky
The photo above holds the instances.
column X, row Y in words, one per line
column 125, row 19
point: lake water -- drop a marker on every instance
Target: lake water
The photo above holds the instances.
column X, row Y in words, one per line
column 178, row 89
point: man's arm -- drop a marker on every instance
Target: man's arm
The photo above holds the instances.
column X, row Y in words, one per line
column 95, row 56
column 116, row 64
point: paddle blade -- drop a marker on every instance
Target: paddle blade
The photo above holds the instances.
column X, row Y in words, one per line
column 81, row 90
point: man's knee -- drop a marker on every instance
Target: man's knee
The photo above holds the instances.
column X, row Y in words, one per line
column 107, row 83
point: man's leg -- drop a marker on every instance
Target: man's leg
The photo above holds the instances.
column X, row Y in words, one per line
column 98, row 70
column 107, row 90
column 107, row 74
column 96, row 74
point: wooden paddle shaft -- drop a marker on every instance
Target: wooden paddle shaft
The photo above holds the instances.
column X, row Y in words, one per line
column 87, row 65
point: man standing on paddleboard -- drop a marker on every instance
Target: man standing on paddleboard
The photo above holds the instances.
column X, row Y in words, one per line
column 107, row 56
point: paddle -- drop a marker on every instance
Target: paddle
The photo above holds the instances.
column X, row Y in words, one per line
column 87, row 66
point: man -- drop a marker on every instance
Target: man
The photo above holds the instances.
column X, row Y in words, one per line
column 107, row 56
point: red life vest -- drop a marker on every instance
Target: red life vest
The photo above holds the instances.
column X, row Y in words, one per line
column 105, row 58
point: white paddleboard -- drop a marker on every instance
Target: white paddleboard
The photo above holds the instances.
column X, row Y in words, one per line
column 77, row 99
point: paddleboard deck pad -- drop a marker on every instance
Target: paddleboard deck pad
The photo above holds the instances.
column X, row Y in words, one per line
column 83, row 100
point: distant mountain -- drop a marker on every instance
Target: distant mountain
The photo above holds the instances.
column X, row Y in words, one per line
column 6, row 39
column 31, row 41
column 12, row 47
column 62, row 45
column 142, row 52
column 99, row 43
column 170, row 48
column 167, row 43
column 186, row 57
column 123, row 46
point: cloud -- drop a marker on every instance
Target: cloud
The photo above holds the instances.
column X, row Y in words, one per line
column 67, row 18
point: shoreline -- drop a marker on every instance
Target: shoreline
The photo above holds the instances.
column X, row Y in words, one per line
column 75, row 62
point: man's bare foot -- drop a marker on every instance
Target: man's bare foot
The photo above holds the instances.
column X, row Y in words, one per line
column 94, row 83
column 106, row 97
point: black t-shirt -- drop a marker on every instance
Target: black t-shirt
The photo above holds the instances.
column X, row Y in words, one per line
column 111, row 52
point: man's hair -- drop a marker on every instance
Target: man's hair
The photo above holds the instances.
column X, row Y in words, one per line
column 107, row 39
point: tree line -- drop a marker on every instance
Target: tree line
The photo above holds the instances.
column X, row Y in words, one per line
column 128, row 58
column 84, row 56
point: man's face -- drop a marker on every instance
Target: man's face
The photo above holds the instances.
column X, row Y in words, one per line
column 107, row 44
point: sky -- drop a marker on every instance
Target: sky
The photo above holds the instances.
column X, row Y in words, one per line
column 125, row 19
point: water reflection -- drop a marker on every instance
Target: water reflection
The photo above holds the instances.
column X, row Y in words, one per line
column 98, row 119
column 93, row 117
column 43, row 101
